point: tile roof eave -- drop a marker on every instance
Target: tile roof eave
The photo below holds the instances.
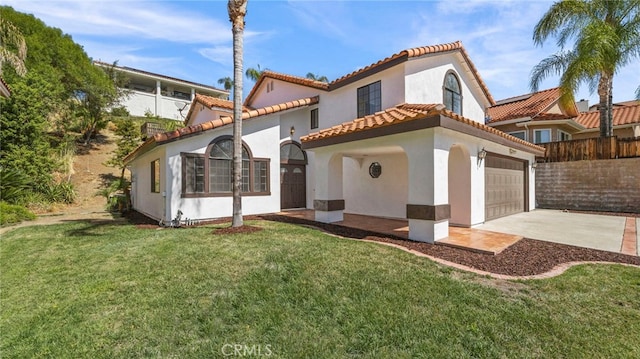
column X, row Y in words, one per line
column 193, row 130
column 350, row 131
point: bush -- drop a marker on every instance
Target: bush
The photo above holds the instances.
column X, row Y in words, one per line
column 11, row 213
column 120, row 111
column 14, row 185
column 58, row 192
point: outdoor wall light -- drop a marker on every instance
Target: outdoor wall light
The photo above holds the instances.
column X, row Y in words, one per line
column 482, row 154
column 292, row 130
column 534, row 165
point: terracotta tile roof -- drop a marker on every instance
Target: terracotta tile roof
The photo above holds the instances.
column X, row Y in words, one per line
column 621, row 116
column 376, row 67
column 405, row 113
column 529, row 105
column 287, row 78
column 416, row 52
column 209, row 102
column 161, row 138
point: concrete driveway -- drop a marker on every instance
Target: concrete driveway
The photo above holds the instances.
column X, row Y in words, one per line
column 576, row 229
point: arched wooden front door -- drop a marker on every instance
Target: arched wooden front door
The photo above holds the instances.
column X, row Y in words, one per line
column 293, row 180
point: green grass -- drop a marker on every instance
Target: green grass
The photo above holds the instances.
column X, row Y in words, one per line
column 83, row 290
column 13, row 213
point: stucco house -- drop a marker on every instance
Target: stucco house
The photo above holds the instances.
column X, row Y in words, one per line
column 401, row 138
column 539, row 117
column 161, row 95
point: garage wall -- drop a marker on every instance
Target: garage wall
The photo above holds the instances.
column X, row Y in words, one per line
column 601, row 185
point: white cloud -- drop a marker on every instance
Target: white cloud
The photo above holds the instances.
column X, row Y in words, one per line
column 152, row 20
column 220, row 54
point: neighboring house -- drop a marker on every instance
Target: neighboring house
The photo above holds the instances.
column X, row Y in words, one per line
column 401, row 138
column 4, row 89
column 161, row 95
column 539, row 118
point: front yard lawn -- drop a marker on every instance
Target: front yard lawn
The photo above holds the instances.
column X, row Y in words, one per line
column 83, row 290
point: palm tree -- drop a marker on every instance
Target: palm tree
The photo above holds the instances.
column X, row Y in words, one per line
column 607, row 37
column 227, row 82
column 13, row 48
column 312, row 76
column 254, row 74
column 237, row 10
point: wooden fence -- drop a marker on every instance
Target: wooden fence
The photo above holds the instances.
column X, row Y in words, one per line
column 601, row 148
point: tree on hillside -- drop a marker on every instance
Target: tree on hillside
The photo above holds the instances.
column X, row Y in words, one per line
column 312, row 76
column 237, row 10
column 255, row 73
column 42, row 117
column 13, row 48
column 227, row 82
column 102, row 90
column 607, row 37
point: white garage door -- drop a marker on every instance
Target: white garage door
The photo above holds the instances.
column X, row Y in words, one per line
column 505, row 189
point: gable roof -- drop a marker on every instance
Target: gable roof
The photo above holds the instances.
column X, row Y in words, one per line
column 376, row 67
column 209, row 102
column 166, row 137
column 415, row 52
column 624, row 115
column 406, row 113
column 268, row 74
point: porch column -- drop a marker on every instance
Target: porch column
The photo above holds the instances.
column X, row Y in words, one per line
column 158, row 97
column 329, row 201
column 428, row 210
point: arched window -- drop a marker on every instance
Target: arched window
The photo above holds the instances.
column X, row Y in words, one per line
column 221, row 167
column 211, row 174
column 292, row 153
column 452, row 93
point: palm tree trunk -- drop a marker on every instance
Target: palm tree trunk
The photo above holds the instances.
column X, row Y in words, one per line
column 605, row 86
column 237, row 10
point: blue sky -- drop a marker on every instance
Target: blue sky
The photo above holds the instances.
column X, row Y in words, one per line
column 192, row 40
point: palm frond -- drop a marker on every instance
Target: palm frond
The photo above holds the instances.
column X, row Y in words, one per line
column 552, row 65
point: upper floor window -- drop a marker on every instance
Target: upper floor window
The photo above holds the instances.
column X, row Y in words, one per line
column 212, row 174
column 563, row 136
column 542, row 136
column 519, row 134
column 452, row 93
column 314, row 118
column 369, row 99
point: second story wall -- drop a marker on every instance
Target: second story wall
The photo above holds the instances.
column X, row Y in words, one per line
column 425, row 80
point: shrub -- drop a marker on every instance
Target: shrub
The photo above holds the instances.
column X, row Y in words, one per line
column 120, row 111
column 14, row 185
column 11, row 213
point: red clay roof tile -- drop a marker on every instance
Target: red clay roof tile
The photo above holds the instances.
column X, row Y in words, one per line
column 404, row 113
column 165, row 137
column 621, row 116
column 528, row 105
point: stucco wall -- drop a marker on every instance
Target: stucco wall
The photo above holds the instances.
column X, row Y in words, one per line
column 142, row 200
column 425, row 80
column 602, row 185
column 385, row 196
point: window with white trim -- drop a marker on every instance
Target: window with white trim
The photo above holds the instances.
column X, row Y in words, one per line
column 563, row 136
column 542, row 136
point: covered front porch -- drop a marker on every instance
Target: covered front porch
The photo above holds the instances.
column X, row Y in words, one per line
column 476, row 240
